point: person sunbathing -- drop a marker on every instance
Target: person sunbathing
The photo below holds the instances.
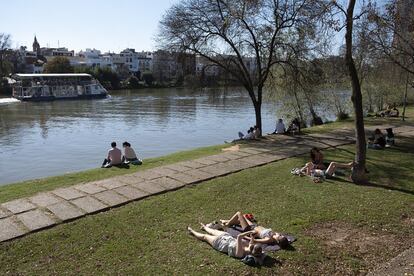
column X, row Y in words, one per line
column 261, row 235
column 311, row 170
column 225, row 243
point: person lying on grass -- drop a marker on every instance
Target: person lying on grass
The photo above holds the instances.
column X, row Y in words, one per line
column 311, row 170
column 261, row 235
column 235, row 247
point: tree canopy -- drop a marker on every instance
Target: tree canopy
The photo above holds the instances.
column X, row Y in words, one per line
column 245, row 38
column 58, row 65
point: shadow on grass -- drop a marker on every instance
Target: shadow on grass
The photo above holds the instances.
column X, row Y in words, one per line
column 402, row 190
column 270, row 262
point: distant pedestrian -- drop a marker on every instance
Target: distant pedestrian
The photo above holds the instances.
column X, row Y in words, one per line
column 114, row 157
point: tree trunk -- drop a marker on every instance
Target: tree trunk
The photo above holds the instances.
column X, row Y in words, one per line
column 257, row 104
column 258, row 109
column 258, row 112
column 299, row 106
column 405, row 97
column 358, row 172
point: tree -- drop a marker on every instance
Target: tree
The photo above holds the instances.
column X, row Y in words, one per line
column 5, row 42
column 359, row 170
column 58, row 65
column 238, row 33
column 148, row 78
column 132, row 82
column 392, row 35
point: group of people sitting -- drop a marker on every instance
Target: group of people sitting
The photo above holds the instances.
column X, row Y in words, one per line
column 294, row 127
column 252, row 133
column 116, row 158
column 318, row 169
column 247, row 245
column 379, row 141
column 388, row 112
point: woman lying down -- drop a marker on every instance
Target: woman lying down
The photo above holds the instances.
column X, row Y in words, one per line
column 239, row 248
column 247, row 245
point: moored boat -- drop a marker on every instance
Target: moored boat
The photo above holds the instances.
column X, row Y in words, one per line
column 49, row 87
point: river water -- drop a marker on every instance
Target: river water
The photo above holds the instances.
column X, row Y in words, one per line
column 52, row 138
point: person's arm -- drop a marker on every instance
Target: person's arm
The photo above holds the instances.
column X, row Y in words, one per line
column 266, row 240
column 239, row 246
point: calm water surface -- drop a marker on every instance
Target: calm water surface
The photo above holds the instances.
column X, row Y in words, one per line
column 52, row 138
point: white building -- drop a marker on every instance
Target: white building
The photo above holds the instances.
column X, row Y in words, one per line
column 134, row 61
column 93, row 58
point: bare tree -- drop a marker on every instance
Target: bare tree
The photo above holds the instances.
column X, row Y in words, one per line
column 392, row 35
column 234, row 34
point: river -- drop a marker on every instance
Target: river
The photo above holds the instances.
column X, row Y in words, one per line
column 52, row 138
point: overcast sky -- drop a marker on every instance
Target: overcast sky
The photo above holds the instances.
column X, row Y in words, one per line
column 78, row 24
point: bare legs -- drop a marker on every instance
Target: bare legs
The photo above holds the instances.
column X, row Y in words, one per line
column 237, row 219
column 308, row 168
column 203, row 237
column 334, row 165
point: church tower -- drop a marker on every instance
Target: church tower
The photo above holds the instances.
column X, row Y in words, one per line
column 36, row 46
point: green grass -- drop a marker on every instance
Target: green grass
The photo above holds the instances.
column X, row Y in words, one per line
column 369, row 121
column 31, row 187
column 149, row 237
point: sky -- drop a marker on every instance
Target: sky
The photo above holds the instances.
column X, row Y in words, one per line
column 107, row 25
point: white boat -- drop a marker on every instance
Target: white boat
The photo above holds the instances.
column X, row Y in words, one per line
column 48, row 87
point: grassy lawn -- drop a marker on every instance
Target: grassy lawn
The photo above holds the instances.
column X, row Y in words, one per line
column 341, row 228
column 31, row 187
column 369, row 121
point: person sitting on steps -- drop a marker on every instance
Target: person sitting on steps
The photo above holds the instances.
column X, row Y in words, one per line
column 114, row 157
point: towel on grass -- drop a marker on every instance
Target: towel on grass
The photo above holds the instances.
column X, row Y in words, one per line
column 234, row 231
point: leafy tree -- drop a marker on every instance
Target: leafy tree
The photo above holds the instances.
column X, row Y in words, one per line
column 132, row 82
column 148, row 78
column 233, row 34
column 106, row 75
column 58, row 65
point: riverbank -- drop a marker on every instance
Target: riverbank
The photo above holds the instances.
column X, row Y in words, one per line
column 341, row 228
column 152, row 121
column 325, row 217
column 26, row 188
column 31, row 187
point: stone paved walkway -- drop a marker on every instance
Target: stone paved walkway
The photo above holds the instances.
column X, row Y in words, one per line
column 23, row 216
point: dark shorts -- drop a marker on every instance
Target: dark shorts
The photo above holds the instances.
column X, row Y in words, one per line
column 250, row 227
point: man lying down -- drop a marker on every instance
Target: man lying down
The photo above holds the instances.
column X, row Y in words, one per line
column 248, row 242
